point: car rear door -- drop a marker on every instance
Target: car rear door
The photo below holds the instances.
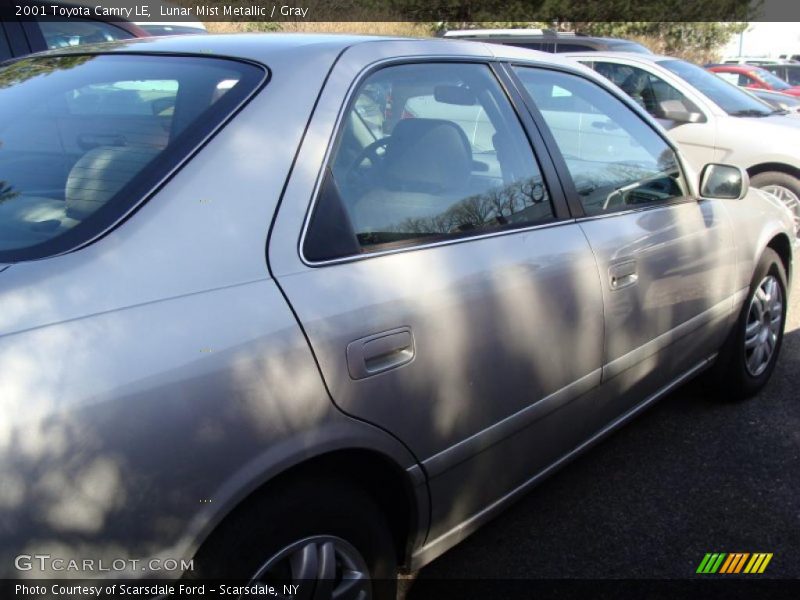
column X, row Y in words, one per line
column 665, row 259
column 445, row 293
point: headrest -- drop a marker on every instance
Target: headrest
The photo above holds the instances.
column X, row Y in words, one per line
column 427, row 155
column 634, row 83
column 101, row 173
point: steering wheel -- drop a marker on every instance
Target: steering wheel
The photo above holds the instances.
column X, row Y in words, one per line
column 369, row 152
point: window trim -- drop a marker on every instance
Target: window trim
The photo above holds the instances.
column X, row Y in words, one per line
column 155, row 186
column 573, row 198
column 550, row 176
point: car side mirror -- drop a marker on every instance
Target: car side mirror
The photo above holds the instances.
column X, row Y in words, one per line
column 724, row 182
column 674, row 110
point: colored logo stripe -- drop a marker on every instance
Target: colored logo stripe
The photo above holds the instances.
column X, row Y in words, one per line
column 758, row 563
column 723, row 563
column 734, row 563
column 711, row 563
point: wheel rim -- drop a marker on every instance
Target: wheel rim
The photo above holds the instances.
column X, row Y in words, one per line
column 324, row 567
column 788, row 197
column 763, row 329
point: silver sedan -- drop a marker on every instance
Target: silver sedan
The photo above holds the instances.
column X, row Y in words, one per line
column 311, row 309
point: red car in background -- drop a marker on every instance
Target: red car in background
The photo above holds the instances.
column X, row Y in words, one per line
column 749, row 76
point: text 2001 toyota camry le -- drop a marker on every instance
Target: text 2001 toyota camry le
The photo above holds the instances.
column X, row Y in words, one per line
column 307, row 307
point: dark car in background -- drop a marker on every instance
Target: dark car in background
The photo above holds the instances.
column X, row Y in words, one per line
column 547, row 40
column 22, row 37
column 789, row 72
column 779, row 100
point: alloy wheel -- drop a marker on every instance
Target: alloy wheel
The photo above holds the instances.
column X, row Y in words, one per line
column 323, row 567
column 789, row 199
column 763, row 328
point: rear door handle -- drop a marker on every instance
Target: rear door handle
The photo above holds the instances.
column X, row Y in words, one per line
column 380, row 352
column 622, row 275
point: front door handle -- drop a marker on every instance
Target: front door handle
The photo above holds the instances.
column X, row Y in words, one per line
column 380, row 352
column 622, row 275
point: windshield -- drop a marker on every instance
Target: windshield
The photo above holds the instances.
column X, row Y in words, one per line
column 776, row 99
column 725, row 95
column 773, row 80
column 84, row 138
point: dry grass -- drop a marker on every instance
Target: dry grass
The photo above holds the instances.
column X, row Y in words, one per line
column 662, row 46
column 400, row 28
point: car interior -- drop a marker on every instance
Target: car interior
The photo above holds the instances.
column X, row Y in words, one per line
column 423, row 156
column 68, row 145
column 613, row 165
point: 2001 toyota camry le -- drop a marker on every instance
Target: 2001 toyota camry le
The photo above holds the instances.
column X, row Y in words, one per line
column 316, row 307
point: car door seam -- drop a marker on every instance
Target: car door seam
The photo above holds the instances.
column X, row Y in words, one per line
column 418, row 464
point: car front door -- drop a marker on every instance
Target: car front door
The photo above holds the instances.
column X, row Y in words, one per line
column 446, row 295
column 665, row 258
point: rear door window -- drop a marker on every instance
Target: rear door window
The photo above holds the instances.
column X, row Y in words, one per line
column 542, row 46
column 83, row 138
column 430, row 152
column 569, row 47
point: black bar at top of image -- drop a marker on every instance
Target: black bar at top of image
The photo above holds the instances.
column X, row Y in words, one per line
column 456, row 11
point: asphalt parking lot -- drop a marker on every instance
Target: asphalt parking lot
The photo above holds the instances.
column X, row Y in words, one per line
column 692, row 475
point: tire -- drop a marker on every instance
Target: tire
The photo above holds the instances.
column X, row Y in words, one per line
column 319, row 518
column 738, row 374
column 783, row 185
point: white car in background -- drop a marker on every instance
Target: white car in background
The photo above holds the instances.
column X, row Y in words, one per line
column 711, row 120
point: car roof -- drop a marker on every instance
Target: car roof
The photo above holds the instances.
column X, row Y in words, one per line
column 258, row 47
column 738, row 68
column 520, row 35
column 272, row 49
column 289, row 50
column 638, row 56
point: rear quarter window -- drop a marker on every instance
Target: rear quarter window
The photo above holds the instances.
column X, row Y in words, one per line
column 84, row 138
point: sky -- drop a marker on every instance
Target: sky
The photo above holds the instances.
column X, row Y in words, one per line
column 768, row 39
